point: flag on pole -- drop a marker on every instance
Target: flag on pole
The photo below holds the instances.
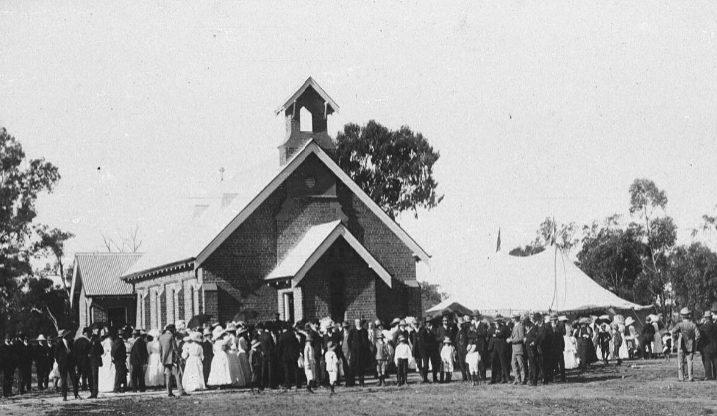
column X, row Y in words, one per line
column 497, row 244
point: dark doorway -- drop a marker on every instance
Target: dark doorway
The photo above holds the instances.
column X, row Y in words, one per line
column 117, row 317
column 337, row 296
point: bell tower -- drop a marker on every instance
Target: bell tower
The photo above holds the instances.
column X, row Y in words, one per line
column 311, row 100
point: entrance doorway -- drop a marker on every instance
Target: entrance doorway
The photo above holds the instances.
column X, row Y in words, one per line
column 117, row 317
column 337, row 297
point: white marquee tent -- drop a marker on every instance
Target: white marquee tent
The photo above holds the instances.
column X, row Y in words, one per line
column 548, row 281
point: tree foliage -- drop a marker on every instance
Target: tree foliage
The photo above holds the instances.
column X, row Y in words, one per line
column 394, row 167
column 693, row 274
column 612, row 256
column 657, row 232
column 21, row 181
column 431, row 295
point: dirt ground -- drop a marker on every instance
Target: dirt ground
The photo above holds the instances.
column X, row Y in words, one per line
column 635, row 388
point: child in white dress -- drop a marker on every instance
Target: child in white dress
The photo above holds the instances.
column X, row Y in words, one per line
column 473, row 360
column 448, row 356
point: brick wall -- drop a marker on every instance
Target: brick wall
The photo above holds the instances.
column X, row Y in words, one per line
column 360, row 282
column 239, row 265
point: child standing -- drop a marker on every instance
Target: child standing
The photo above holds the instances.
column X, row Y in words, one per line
column 473, row 359
column 666, row 346
column 256, row 361
column 448, row 356
column 616, row 342
column 401, row 357
column 309, row 363
column 332, row 364
column 382, row 355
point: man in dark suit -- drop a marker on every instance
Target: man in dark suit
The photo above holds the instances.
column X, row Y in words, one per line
column 95, row 361
column 8, row 361
column 119, row 359
column 42, row 355
column 498, row 347
column 428, row 350
column 66, row 363
column 287, row 351
column 138, row 357
column 546, row 353
column 81, row 355
column 557, row 346
column 208, row 350
column 358, row 345
column 23, row 352
column 531, row 344
column 462, row 346
column 267, row 345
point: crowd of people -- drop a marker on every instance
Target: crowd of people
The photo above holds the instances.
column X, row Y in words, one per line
column 525, row 349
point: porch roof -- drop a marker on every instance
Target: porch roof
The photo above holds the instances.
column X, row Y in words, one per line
column 313, row 245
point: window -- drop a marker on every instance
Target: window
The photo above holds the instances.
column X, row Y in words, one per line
column 306, row 120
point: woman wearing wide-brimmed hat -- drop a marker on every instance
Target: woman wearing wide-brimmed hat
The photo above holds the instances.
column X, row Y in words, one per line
column 586, row 350
column 193, row 354
column 220, row 374
column 154, row 375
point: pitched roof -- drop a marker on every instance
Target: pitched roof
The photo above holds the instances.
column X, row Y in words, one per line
column 196, row 241
column 308, row 83
column 545, row 281
column 313, row 245
column 99, row 273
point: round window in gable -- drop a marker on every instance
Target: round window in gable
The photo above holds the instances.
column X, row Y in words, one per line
column 310, row 182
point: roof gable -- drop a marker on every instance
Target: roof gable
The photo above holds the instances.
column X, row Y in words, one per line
column 312, row 148
column 316, row 87
column 196, row 241
column 312, row 247
column 99, row 273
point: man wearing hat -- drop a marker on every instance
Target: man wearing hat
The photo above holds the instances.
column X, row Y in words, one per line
column 462, row 346
column 119, row 359
column 95, row 361
column 517, row 361
column 498, row 348
column 288, row 350
column 428, row 350
column 344, row 353
column 169, row 353
column 533, row 339
column 138, row 357
column 267, row 345
column 208, row 351
column 81, row 353
column 557, row 347
column 24, row 362
column 40, row 355
column 360, row 351
column 66, row 363
column 687, row 335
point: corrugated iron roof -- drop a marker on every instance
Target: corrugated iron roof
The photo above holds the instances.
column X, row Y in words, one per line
column 100, row 272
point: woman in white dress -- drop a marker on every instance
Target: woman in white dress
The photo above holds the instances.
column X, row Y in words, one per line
column 235, row 370
column 243, row 356
column 154, row 375
column 219, row 374
column 193, row 354
column 570, row 353
column 106, row 375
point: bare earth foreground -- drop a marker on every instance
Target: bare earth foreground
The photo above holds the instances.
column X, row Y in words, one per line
column 636, row 388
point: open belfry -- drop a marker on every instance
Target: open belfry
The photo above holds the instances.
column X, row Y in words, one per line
column 298, row 238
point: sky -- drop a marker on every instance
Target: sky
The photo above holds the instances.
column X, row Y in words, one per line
column 537, row 108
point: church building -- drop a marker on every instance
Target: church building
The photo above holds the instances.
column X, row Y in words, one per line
column 298, row 238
